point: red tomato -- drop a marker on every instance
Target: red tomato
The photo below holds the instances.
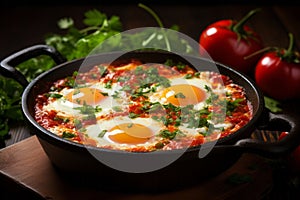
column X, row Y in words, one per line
column 229, row 42
column 277, row 74
column 293, row 158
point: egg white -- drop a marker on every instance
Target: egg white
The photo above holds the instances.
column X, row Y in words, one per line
column 93, row 131
column 68, row 108
column 200, row 83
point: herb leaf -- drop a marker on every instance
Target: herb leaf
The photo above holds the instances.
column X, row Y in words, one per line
column 55, row 95
column 68, row 135
column 94, row 18
column 102, row 133
column 272, row 105
column 170, row 134
column 180, row 95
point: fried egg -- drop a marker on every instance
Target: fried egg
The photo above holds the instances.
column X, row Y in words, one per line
column 95, row 95
column 183, row 92
column 123, row 132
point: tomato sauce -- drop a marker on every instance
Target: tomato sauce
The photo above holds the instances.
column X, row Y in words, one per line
column 134, row 78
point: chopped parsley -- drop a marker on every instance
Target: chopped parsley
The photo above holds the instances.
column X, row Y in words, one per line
column 154, row 107
column 108, row 84
column 123, row 79
column 62, row 119
column 151, row 76
column 102, row 133
column 133, row 115
column 88, row 109
column 76, row 91
column 68, row 135
column 54, row 95
column 232, row 105
column 188, row 76
column 102, row 70
column 213, row 96
column 77, row 123
column 179, row 65
column 70, row 80
column 104, row 94
column 115, row 95
column 170, row 134
column 179, row 95
column 126, row 88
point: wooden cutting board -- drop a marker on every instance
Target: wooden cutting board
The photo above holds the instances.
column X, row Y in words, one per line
column 25, row 168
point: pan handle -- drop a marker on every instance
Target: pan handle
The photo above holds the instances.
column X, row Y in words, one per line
column 8, row 64
column 278, row 148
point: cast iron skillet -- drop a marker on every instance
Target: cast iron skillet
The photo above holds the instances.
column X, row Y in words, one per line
column 76, row 162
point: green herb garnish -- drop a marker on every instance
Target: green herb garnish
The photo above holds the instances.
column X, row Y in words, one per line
column 54, row 95
column 179, row 95
column 188, row 76
column 68, row 135
column 88, row 109
column 102, row 133
column 170, row 134
column 179, row 65
column 232, row 105
column 272, row 105
column 133, row 115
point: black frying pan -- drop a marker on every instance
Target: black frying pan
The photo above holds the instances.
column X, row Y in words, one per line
column 76, row 161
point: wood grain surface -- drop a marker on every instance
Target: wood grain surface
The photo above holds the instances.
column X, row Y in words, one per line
column 27, row 164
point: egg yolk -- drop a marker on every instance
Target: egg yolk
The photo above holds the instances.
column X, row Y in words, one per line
column 129, row 133
column 89, row 96
column 183, row 95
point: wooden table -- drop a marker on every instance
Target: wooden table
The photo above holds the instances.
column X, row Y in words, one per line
column 25, row 25
column 26, row 166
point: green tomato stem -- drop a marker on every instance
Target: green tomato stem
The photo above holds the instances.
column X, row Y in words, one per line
column 289, row 50
column 239, row 27
column 266, row 49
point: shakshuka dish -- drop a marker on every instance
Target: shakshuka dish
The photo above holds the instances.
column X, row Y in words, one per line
column 143, row 107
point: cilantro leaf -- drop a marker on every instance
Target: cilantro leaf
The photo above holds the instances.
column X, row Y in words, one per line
column 94, row 18
column 68, row 135
column 102, row 133
column 55, row 95
column 170, row 134
column 272, row 105
column 114, row 23
column 179, row 95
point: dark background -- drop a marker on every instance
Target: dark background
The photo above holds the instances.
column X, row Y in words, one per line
column 26, row 22
column 82, row 2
